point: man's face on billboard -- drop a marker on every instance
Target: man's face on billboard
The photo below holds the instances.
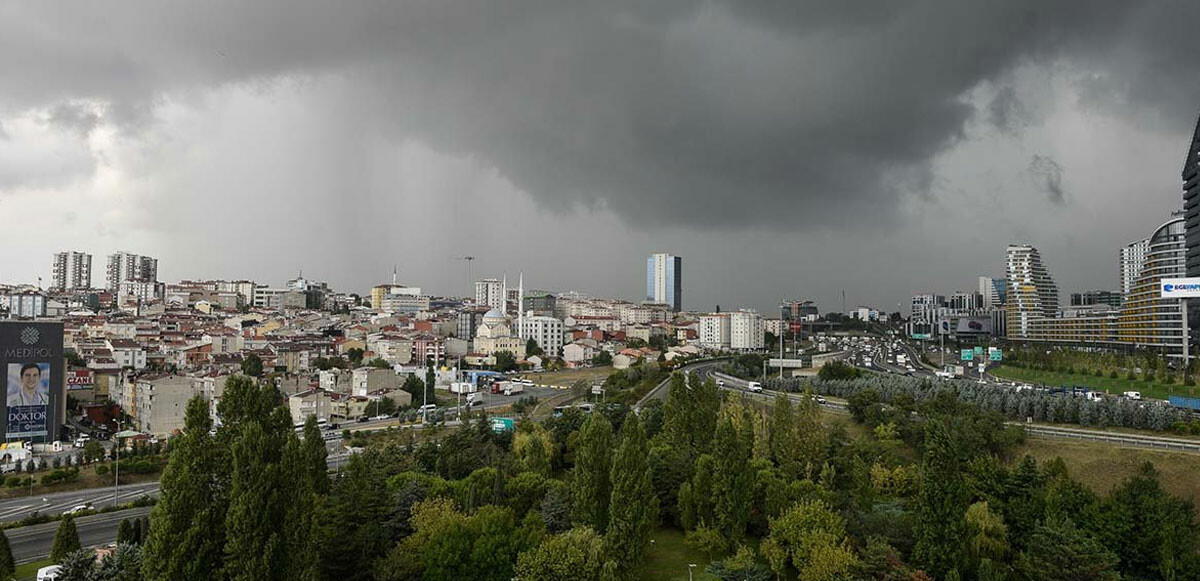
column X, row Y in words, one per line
column 30, row 378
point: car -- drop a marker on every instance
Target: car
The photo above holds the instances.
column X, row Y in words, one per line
column 49, row 573
column 363, row 419
column 720, row 383
column 820, row 399
column 1134, row 395
column 379, row 418
column 78, row 509
column 427, row 407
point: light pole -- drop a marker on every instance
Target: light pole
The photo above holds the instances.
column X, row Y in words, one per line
column 691, row 566
column 117, row 465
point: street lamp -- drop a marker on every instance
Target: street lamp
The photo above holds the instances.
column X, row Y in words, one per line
column 117, row 465
column 691, row 566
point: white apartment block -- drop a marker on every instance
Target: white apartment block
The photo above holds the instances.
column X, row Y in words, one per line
column 269, row 298
column 491, row 292
column 715, row 331
column 72, row 270
column 141, row 289
column 746, row 330
column 1133, row 258
column 547, row 332
column 161, row 404
column 124, row 266
column 26, row 305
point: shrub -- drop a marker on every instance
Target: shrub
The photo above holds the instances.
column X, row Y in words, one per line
column 12, row 482
column 101, row 469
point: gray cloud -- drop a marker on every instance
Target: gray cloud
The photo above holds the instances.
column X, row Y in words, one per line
column 675, row 112
column 75, row 117
column 1047, row 174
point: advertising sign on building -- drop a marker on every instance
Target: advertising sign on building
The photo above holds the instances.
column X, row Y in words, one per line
column 1179, row 288
column 31, row 357
column 80, row 379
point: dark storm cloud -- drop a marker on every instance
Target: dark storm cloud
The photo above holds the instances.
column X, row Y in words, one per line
column 1047, row 174
column 784, row 114
column 1006, row 111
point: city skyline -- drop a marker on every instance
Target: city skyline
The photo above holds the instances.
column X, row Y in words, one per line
column 327, row 130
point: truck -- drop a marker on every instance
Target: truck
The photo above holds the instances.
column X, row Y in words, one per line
column 474, row 398
column 901, row 359
column 513, row 388
column 1189, row 403
column 462, row 387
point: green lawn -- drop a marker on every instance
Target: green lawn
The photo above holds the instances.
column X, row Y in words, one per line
column 28, row 571
column 668, row 558
column 1112, row 386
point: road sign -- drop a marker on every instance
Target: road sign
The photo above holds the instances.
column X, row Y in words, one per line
column 968, row 354
column 979, row 351
column 996, row 355
column 922, row 336
column 981, row 367
column 500, row 425
column 597, row 389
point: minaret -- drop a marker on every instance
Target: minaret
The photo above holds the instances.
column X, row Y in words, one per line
column 520, row 303
column 504, row 294
column 393, row 275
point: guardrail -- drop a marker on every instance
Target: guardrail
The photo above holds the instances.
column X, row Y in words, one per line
column 1153, row 442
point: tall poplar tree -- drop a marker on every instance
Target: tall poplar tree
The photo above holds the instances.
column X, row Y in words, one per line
column 188, row 537
column 66, row 539
column 633, row 510
column 732, row 480
column 591, row 485
column 941, row 522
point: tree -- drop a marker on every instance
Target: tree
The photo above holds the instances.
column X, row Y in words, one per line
column 575, row 554
column 252, row 365
column 124, row 563
column 259, row 499
column 813, row 536
column 316, row 468
column 349, row 525
column 602, row 359
column 556, row 507
column 355, row 355
column 532, row 348
column 8, row 566
column 1152, row 533
column 505, row 361
column 941, row 524
column 417, row 388
column 534, row 450
column 66, row 540
column 77, row 565
column 125, row 531
column 379, row 363
column 1058, row 550
column 591, row 485
column 988, row 537
column 93, row 450
column 732, row 481
column 633, row 510
column 188, row 537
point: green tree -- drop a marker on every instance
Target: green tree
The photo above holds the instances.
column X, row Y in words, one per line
column 575, row 554
column 813, row 536
column 1153, row 533
column 633, row 510
column 125, row 531
column 188, row 537
column 591, row 484
column 1058, row 550
column 602, row 359
column 379, row 363
column 93, row 450
column 355, row 355
column 8, row 566
column 350, row 531
column 988, row 537
column 256, row 546
column 66, row 539
column 941, row 523
column 317, row 470
column 733, row 482
column 534, row 450
column 532, row 348
column 252, row 365
column 415, row 387
column 505, row 361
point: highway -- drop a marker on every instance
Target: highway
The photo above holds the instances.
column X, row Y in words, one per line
column 32, row 543
column 58, row 502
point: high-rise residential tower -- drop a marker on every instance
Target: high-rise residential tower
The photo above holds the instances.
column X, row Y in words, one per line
column 993, row 291
column 1032, row 293
column 664, row 282
column 491, row 292
column 72, row 270
column 1147, row 319
column 125, row 266
column 1133, row 256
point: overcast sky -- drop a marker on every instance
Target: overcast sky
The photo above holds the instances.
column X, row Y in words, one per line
column 784, row 149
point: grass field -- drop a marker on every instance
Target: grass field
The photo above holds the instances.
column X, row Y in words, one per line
column 1103, row 466
column 29, row 570
column 1106, row 384
column 570, row 376
column 668, row 558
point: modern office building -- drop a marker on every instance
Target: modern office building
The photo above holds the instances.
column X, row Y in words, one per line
column 1148, row 320
column 72, row 270
column 965, row 301
column 491, row 292
column 993, row 292
column 1031, row 294
column 924, row 305
column 124, row 266
column 1096, row 297
column 664, row 282
column 1191, row 203
column 793, row 311
column 746, row 330
column 1133, row 256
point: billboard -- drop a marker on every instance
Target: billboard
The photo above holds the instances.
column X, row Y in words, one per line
column 31, row 356
column 80, row 379
column 1179, row 288
column 974, row 325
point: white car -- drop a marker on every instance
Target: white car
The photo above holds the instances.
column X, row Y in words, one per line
column 78, row 509
column 50, row 573
column 1136, row 395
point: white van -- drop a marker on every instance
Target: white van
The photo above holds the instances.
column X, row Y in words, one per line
column 754, row 386
column 1137, row 395
column 51, row 573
